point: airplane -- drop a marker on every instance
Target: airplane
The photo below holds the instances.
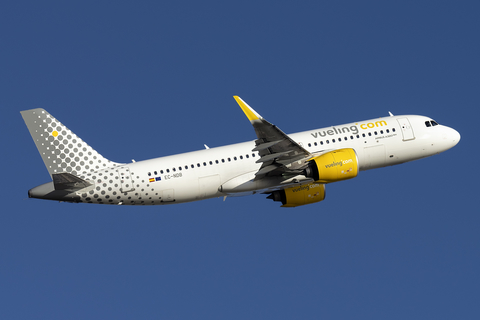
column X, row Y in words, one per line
column 292, row 169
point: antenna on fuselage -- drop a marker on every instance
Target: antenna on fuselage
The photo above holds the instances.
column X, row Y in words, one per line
column 391, row 115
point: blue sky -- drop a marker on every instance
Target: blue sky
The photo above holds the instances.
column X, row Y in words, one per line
column 144, row 79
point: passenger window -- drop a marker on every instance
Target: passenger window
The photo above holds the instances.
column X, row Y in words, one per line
column 223, row 160
column 216, row 161
column 241, row 157
column 247, row 156
column 174, row 169
column 149, row 174
column 321, row 142
column 168, row 170
column 309, row 144
column 315, row 144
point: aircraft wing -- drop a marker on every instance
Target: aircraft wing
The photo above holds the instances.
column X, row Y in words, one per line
column 279, row 154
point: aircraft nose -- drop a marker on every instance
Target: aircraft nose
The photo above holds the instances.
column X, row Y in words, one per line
column 450, row 137
column 454, row 136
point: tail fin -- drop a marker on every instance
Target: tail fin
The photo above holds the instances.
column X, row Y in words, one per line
column 60, row 148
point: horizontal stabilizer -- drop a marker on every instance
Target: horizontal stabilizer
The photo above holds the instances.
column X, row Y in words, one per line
column 68, row 182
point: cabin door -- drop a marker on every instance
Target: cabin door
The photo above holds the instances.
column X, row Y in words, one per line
column 126, row 183
column 407, row 129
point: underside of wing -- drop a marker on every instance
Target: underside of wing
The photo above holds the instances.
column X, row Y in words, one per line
column 279, row 154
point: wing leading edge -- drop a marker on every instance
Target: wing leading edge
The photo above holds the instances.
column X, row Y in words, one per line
column 279, row 154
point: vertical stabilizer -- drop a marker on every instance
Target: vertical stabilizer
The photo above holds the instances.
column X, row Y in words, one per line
column 60, row 148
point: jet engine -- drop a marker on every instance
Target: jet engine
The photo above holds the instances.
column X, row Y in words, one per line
column 299, row 196
column 337, row 165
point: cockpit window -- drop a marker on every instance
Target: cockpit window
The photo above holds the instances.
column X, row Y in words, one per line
column 434, row 123
column 427, row 123
column 431, row 123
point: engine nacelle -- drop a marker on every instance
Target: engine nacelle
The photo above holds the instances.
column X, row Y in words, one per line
column 299, row 196
column 338, row 165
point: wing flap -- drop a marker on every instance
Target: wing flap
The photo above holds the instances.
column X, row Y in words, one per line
column 292, row 160
column 272, row 156
column 267, row 169
column 267, row 145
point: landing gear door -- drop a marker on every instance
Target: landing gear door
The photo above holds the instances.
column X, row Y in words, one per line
column 407, row 129
column 126, row 183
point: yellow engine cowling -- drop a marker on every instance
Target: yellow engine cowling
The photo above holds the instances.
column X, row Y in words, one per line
column 338, row 165
column 299, row 196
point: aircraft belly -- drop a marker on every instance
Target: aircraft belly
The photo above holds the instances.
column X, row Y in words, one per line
column 247, row 183
column 208, row 186
column 374, row 157
column 181, row 190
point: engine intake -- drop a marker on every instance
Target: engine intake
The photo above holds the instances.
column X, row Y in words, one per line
column 338, row 165
column 299, row 196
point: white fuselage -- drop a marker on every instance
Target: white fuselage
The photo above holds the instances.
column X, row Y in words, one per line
column 230, row 170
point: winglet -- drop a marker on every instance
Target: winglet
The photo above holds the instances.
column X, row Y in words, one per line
column 249, row 112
